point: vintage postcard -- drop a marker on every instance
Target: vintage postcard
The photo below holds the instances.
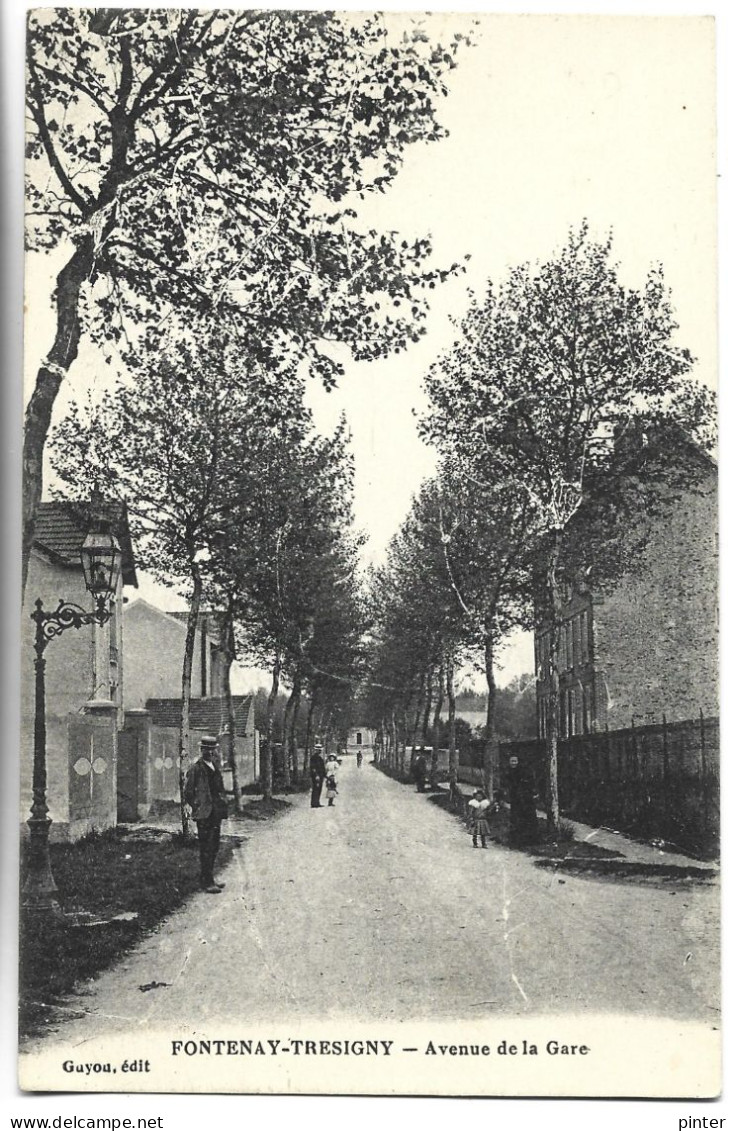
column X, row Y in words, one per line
column 369, row 465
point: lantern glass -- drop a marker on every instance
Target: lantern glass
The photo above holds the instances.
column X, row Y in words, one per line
column 101, row 562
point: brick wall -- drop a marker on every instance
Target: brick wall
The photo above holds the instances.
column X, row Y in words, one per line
column 652, row 646
column 655, row 635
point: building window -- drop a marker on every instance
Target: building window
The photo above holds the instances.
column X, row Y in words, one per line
column 579, row 727
column 577, row 641
column 584, row 634
column 358, row 738
column 586, row 712
column 571, row 713
column 561, row 649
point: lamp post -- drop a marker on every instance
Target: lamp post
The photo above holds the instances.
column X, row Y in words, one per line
column 101, row 562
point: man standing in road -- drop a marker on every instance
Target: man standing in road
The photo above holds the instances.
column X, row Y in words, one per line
column 204, row 791
column 318, row 772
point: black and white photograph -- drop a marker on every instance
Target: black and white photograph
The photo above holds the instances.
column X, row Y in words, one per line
column 370, row 465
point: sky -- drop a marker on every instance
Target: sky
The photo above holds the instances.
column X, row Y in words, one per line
column 551, row 120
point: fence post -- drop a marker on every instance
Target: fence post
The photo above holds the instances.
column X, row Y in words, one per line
column 665, row 736
column 635, row 776
column 705, row 792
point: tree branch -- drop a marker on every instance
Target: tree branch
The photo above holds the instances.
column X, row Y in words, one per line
column 36, row 107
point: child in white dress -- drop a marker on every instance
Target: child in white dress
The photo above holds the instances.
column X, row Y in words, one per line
column 479, row 807
column 332, row 765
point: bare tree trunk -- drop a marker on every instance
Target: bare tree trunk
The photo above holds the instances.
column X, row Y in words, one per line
column 437, row 720
column 309, row 739
column 294, row 733
column 453, row 754
column 402, row 741
column 427, row 708
column 229, row 658
column 267, row 760
column 50, row 375
column 288, row 715
column 379, row 748
column 552, row 733
column 328, row 730
column 318, row 729
column 417, row 719
column 394, row 740
column 292, row 751
column 184, row 729
column 491, row 752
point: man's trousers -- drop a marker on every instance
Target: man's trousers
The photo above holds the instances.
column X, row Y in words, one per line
column 208, row 832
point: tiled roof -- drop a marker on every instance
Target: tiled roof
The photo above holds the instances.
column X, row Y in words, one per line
column 209, row 715
column 62, row 525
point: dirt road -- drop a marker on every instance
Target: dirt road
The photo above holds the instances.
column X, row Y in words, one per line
column 379, row 908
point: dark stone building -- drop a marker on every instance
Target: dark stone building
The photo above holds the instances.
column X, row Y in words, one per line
column 646, row 645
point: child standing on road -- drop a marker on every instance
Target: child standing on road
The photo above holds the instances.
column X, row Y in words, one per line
column 332, row 765
column 479, row 806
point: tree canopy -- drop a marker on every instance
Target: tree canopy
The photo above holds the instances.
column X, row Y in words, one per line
column 558, row 382
column 211, row 162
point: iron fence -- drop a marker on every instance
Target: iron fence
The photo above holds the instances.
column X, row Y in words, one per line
column 660, row 780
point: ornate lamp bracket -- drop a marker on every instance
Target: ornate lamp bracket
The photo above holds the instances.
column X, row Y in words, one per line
column 49, row 625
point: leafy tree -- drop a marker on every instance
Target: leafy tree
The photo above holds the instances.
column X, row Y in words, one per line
column 548, row 375
column 485, row 545
column 290, row 534
column 209, row 163
column 333, row 660
column 459, row 570
column 416, row 627
column 178, row 446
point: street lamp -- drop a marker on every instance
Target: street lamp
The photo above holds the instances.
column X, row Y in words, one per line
column 101, row 562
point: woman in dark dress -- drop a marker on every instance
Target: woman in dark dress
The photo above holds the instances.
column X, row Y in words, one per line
column 523, row 821
column 419, row 773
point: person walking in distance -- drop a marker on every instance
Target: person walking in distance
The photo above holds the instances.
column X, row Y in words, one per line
column 204, row 792
column 317, row 772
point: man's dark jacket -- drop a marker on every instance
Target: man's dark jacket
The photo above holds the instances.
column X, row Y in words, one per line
column 317, row 767
column 205, row 792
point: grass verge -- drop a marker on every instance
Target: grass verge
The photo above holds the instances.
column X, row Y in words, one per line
column 144, row 873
